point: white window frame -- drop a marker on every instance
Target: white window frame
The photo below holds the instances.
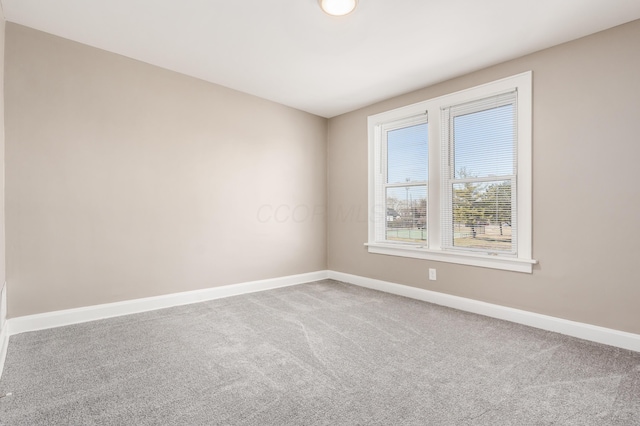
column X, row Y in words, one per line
column 381, row 176
column 432, row 108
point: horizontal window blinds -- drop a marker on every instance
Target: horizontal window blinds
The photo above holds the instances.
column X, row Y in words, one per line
column 480, row 170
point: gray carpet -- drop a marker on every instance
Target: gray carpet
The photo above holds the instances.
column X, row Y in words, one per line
column 324, row 353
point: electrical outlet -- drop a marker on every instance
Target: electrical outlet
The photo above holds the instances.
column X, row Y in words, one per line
column 432, row 274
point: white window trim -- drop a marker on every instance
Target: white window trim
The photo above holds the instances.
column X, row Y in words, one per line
column 432, row 107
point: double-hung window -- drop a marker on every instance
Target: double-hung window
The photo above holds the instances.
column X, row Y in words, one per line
column 403, row 181
column 450, row 177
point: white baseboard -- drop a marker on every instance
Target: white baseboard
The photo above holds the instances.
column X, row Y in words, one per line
column 4, row 345
column 4, row 333
column 3, row 305
column 91, row 313
column 580, row 330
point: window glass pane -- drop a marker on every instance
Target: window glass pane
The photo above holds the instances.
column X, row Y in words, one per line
column 484, row 143
column 482, row 215
column 407, row 154
column 406, row 214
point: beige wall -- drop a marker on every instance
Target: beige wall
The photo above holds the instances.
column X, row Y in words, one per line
column 125, row 180
column 586, row 202
column 2, row 250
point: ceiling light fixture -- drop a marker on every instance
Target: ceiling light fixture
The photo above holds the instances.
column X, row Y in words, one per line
column 338, row 7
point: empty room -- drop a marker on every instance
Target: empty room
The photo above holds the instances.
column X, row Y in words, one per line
column 319, row 212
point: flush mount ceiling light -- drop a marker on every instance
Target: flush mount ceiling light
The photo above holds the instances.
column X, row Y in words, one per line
column 338, row 7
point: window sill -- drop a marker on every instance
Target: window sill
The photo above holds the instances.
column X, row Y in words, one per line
column 472, row 259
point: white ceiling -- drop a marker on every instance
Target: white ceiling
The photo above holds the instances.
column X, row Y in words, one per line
column 290, row 52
